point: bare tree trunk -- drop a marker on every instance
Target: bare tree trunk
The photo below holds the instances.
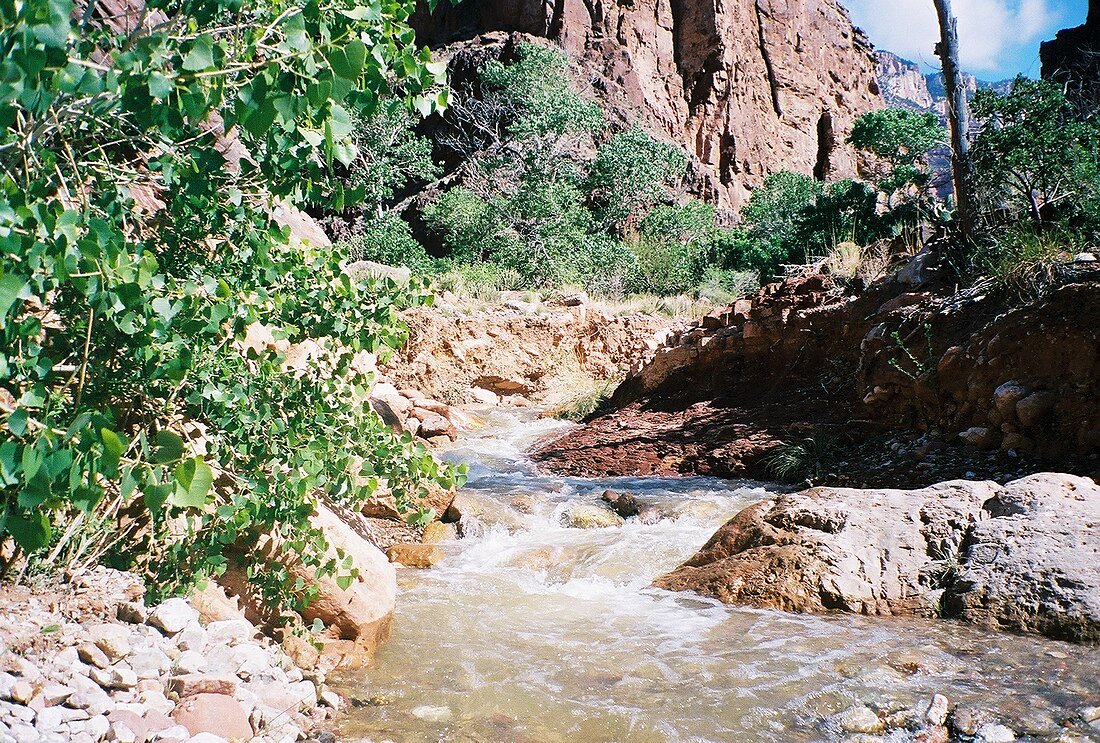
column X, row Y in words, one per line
column 948, row 52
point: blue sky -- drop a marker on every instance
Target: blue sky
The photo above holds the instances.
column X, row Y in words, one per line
column 997, row 38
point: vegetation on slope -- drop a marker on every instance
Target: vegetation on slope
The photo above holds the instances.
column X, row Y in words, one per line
column 178, row 379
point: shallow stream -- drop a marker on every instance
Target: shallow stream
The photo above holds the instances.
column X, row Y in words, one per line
column 531, row 631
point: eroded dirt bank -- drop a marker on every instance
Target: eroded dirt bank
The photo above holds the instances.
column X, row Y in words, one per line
column 904, row 383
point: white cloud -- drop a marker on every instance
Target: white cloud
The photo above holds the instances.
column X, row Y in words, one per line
column 993, row 34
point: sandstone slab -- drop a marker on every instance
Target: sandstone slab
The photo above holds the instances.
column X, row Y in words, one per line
column 1024, row 557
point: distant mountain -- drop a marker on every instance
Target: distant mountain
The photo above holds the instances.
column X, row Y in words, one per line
column 905, row 86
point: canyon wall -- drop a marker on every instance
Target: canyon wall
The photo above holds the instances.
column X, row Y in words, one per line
column 1073, row 59
column 747, row 86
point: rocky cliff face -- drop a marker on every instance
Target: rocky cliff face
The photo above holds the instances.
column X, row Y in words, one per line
column 1073, row 57
column 902, row 82
column 748, row 86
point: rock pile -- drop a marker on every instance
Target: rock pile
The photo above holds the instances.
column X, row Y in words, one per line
column 88, row 662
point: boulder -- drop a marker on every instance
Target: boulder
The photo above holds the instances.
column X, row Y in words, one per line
column 415, row 555
column 361, row 614
column 591, row 517
column 624, row 504
column 218, row 714
column 1025, row 556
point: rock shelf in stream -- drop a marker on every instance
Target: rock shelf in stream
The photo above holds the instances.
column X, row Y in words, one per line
column 1022, row 557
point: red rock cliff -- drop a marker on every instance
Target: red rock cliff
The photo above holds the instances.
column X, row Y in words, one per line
column 748, row 86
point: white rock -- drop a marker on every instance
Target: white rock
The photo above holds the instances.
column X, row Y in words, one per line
column 117, row 677
column 174, row 734
column 121, row 733
column 991, row 733
column 937, row 711
column 192, row 638
column 432, row 714
column 191, row 661
column 97, row 726
column 7, row 681
column 231, row 631
column 55, row 694
column 97, row 702
column 150, row 664
column 132, row 612
column 157, row 702
column 330, row 699
column 112, row 639
column 174, row 615
column 250, row 660
column 208, row 738
column 93, row 655
column 49, row 719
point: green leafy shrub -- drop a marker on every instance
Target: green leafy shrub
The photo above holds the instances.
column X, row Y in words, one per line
column 901, row 140
column 807, row 458
column 632, row 172
column 1035, row 156
column 149, row 304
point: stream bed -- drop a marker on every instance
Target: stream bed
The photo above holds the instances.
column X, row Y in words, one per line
column 532, row 631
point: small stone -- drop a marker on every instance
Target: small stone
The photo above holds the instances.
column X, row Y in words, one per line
column 249, row 660
column 112, row 639
column 624, row 504
column 92, row 655
column 937, row 711
column 22, row 692
column 97, row 726
column 49, row 719
column 1084, row 258
column 190, row 661
column 150, row 664
column 132, row 612
column 860, row 719
column 54, row 694
column 208, row 738
column 173, row 616
column 990, row 733
column 114, row 678
column 301, row 651
column 122, row 733
column 967, row 720
column 330, row 698
column 437, row 532
column 175, row 734
column 96, row 702
column 432, row 714
column 1090, row 714
column 191, row 684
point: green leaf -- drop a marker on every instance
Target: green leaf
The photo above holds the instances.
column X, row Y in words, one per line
column 17, row 422
column 194, row 479
column 347, row 63
column 112, row 443
column 12, row 288
column 31, row 532
column 170, row 447
column 344, row 581
column 201, row 56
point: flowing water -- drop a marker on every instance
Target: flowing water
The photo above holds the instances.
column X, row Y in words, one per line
column 531, row 631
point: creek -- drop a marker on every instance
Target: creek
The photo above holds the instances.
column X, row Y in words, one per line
column 531, row 631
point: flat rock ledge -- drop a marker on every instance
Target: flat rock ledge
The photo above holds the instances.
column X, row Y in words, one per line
column 1021, row 557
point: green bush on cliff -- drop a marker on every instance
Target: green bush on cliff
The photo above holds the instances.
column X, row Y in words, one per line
column 148, row 302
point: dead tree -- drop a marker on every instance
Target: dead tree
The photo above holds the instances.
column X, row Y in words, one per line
column 948, row 52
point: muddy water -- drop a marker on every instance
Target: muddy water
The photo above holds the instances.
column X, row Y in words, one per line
column 531, row 631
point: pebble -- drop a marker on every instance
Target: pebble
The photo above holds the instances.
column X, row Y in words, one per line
column 860, row 719
column 937, row 711
column 432, row 714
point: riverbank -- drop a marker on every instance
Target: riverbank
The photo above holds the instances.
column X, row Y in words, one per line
column 83, row 660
